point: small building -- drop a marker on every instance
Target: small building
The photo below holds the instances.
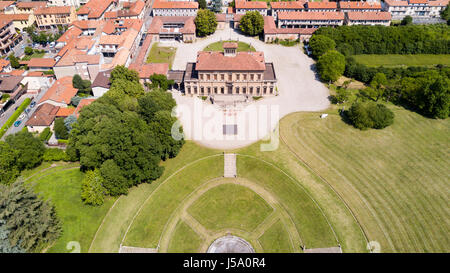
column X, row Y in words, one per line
column 230, row 73
column 147, row 70
column 414, row 8
column 242, row 7
column 134, row 10
column 174, row 8
column 368, row 18
column 43, row 117
column 12, row 86
column 221, row 19
column 20, row 21
column 101, row 83
column 346, row 6
column 28, row 7
column 173, row 28
column 5, row 66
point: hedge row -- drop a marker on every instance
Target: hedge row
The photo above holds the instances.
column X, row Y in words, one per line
column 45, row 135
column 14, row 116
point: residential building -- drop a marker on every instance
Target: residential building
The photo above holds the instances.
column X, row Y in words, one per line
column 7, row 6
column 174, row 8
column 20, row 21
column 8, row 36
column 230, row 72
column 242, row 7
column 60, row 93
column 368, row 18
column 359, row 6
column 75, row 3
column 170, row 28
column 101, row 83
column 414, row 8
column 95, row 9
column 12, row 86
column 286, row 6
column 310, row 19
column 51, row 17
column 5, row 66
column 323, row 6
column 437, row 6
column 271, row 32
column 134, row 10
column 28, row 7
column 43, row 117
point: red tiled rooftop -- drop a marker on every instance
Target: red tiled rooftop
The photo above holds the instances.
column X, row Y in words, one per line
column 369, row 15
column 53, row 10
column 95, row 8
column 298, row 15
column 438, row 3
column 30, row 5
column 83, row 103
column 160, row 4
column 146, row 70
column 359, row 5
column 41, row 62
column 288, row 5
column 396, row 3
column 65, row 112
column 242, row 4
column 61, row 91
column 243, row 61
column 43, row 116
column 5, row 4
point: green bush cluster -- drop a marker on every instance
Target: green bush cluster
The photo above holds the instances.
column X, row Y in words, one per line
column 45, row 135
column 55, row 154
column 364, row 115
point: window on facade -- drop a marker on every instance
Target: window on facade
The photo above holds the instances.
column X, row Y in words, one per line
column 244, row 90
column 201, row 90
column 271, row 90
column 222, row 90
column 257, row 90
column 237, row 90
column 245, row 77
column 222, row 77
column 195, row 89
column 251, row 77
column 201, row 76
column 188, row 89
column 251, row 90
column 208, row 76
column 209, row 90
column 237, row 77
column 265, row 90
column 259, row 76
column 215, row 77
column 215, row 90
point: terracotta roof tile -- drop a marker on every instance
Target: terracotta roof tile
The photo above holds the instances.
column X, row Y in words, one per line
column 43, row 116
column 288, row 5
column 359, row 5
column 396, row 3
column 53, row 10
column 299, row 15
column 146, row 70
column 41, row 62
column 61, row 91
column 438, row 3
column 321, row 5
column 65, row 112
column 271, row 28
column 243, row 61
column 83, row 103
column 369, row 15
column 242, row 4
column 5, row 4
column 31, row 5
column 95, row 8
column 160, row 4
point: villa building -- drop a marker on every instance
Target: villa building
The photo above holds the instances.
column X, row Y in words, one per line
column 171, row 28
column 8, row 36
column 95, row 9
column 414, row 8
column 230, row 72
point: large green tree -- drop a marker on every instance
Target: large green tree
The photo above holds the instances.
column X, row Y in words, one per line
column 320, row 44
column 61, row 131
column 31, row 223
column 92, row 188
column 8, row 163
column 205, row 22
column 202, row 4
column 252, row 23
column 331, row 65
column 29, row 148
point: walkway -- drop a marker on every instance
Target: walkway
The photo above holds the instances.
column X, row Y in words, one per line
column 229, row 169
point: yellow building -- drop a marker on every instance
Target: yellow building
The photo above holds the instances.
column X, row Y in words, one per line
column 51, row 17
column 20, row 21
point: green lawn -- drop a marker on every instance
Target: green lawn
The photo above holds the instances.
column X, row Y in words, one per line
column 230, row 206
column 276, row 238
column 63, row 187
column 34, row 55
column 395, row 180
column 397, row 60
column 159, row 54
column 184, row 240
column 218, row 46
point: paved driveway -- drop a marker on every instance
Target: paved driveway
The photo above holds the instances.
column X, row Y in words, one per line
column 298, row 87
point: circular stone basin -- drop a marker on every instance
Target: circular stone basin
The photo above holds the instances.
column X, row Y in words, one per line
column 230, row 244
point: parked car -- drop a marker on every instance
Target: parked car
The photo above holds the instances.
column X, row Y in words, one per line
column 21, row 117
column 17, row 123
column 28, row 110
column 32, row 104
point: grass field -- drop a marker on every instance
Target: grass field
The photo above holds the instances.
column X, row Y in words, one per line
column 184, row 240
column 397, row 60
column 34, row 55
column 62, row 185
column 159, row 54
column 218, row 46
column 223, row 207
column 395, row 180
column 276, row 238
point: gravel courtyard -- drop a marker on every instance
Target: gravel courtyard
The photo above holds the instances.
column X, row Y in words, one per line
column 298, row 88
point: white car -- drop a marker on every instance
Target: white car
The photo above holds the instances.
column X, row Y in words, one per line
column 21, row 117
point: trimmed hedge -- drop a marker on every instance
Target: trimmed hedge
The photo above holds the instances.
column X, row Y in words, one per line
column 45, row 135
column 55, row 154
column 14, row 116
